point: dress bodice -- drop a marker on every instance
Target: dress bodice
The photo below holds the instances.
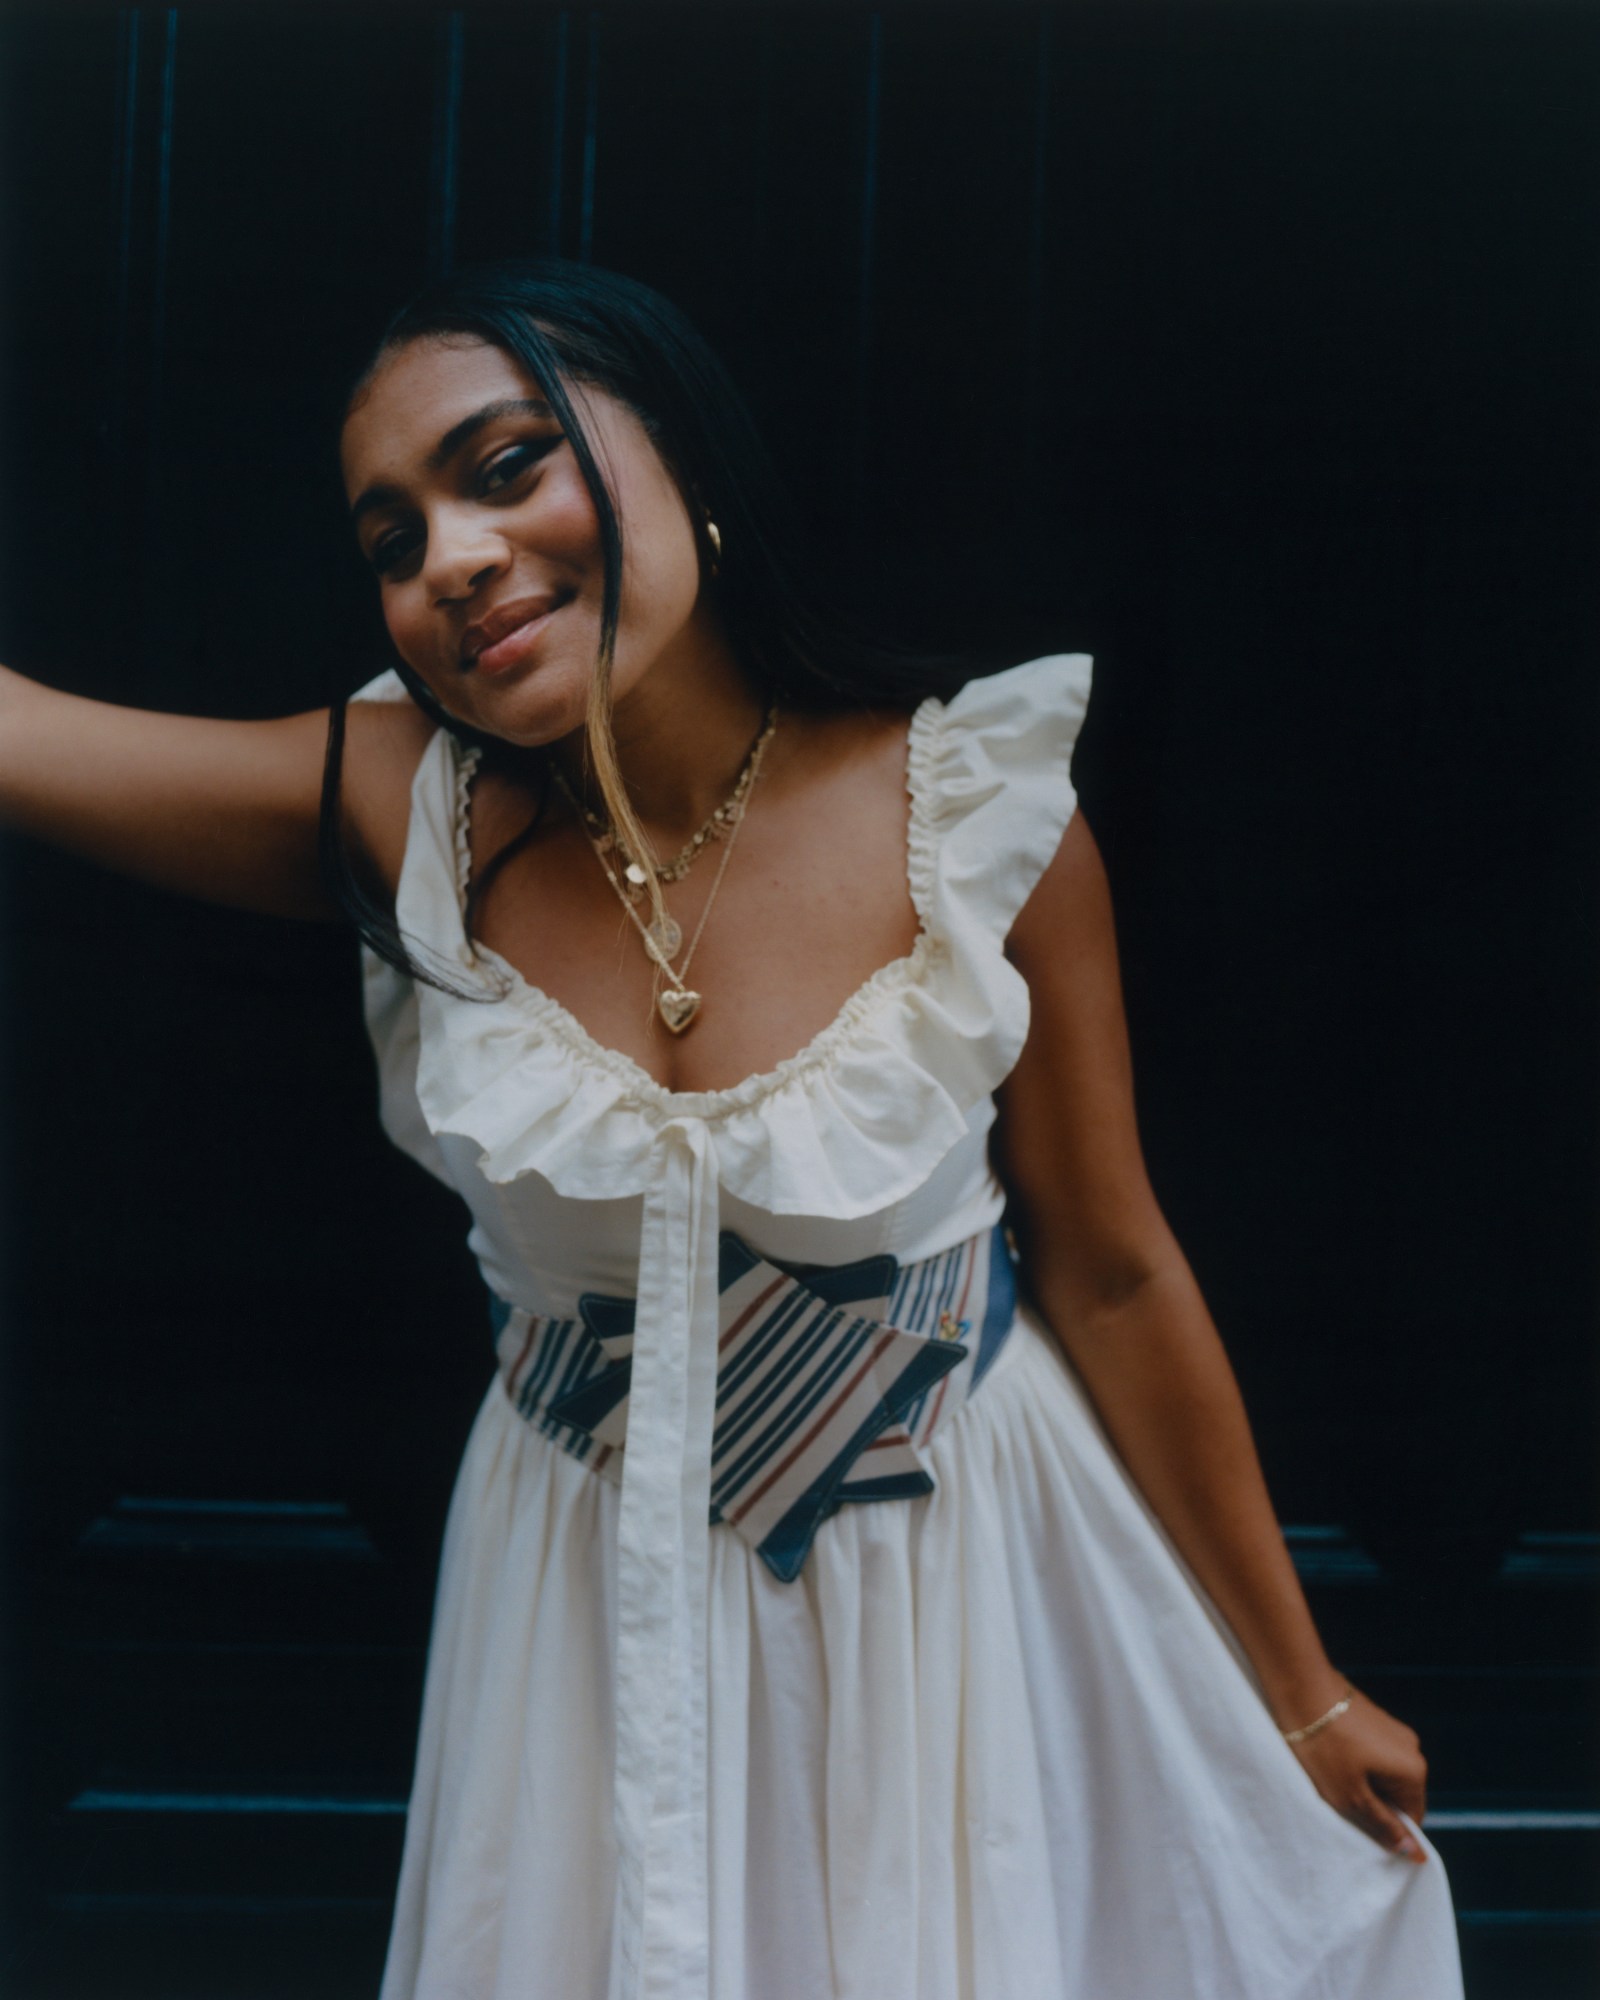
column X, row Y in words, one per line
column 585, row 1175
column 540, row 1250
column 873, row 1138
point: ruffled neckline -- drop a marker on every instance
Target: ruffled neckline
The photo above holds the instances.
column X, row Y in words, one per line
column 860, row 1115
column 563, row 1026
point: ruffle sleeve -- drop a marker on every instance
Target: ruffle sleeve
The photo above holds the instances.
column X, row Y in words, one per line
column 993, row 772
column 389, row 1004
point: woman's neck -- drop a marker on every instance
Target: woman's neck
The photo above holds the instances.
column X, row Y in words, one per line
column 683, row 732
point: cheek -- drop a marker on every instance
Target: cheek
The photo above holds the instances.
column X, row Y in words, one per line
column 675, row 589
column 420, row 640
column 561, row 520
column 661, row 565
column 406, row 626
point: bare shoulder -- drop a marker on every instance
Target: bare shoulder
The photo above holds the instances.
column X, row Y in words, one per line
column 839, row 786
column 860, row 744
column 384, row 742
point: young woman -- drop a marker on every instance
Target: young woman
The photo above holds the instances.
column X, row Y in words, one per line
column 815, row 1618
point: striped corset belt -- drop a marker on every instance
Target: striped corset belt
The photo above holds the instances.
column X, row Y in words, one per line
column 830, row 1379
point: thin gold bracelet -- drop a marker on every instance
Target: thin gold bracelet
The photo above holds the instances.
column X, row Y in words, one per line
column 1310, row 1729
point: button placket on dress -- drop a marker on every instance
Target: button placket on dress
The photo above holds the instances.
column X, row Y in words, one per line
column 663, row 1562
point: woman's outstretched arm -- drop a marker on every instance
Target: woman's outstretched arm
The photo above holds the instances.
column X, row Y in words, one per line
column 1108, row 1276
column 225, row 811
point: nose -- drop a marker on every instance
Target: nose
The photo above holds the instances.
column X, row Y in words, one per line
column 464, row 550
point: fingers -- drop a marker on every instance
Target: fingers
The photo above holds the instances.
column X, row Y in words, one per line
column 1370, row 1768
column 1406, row 1791
column 1383, row 1824
column 1400, row 1777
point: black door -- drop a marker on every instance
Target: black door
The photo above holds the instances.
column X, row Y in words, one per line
column 1252, row 348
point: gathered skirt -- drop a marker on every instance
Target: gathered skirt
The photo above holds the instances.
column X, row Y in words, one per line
column 992, row 1744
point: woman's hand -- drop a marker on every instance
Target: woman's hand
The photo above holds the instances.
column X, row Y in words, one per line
column 1369, row 1767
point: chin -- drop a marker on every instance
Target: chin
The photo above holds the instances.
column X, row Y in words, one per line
column 536, row 709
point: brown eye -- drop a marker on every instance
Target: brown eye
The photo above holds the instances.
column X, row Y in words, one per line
column 504, row 468
column 392, row 551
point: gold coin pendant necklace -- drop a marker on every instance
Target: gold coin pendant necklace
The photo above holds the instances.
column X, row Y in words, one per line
column 716, row 824
column 678, row 1004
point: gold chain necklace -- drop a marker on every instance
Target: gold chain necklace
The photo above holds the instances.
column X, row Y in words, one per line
column 719, row 822
column 678, row 1005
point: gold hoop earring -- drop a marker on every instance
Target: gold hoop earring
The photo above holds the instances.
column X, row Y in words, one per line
column 714, row 537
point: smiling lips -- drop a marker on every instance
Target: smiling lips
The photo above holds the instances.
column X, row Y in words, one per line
column 508, row 634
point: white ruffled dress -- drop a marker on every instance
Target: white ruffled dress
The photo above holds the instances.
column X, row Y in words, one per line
column 968, row 1731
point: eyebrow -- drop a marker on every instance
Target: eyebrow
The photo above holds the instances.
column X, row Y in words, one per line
column 452, row 441
column 458, row 434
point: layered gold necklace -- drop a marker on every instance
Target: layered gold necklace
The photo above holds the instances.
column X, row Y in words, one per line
column 677, row 1003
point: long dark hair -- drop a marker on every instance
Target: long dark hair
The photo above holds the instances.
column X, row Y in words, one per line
column 566, row 322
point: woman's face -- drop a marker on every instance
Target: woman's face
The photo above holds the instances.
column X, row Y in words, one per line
column 470, row 507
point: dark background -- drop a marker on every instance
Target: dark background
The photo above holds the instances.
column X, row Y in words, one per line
column 1253, row 347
